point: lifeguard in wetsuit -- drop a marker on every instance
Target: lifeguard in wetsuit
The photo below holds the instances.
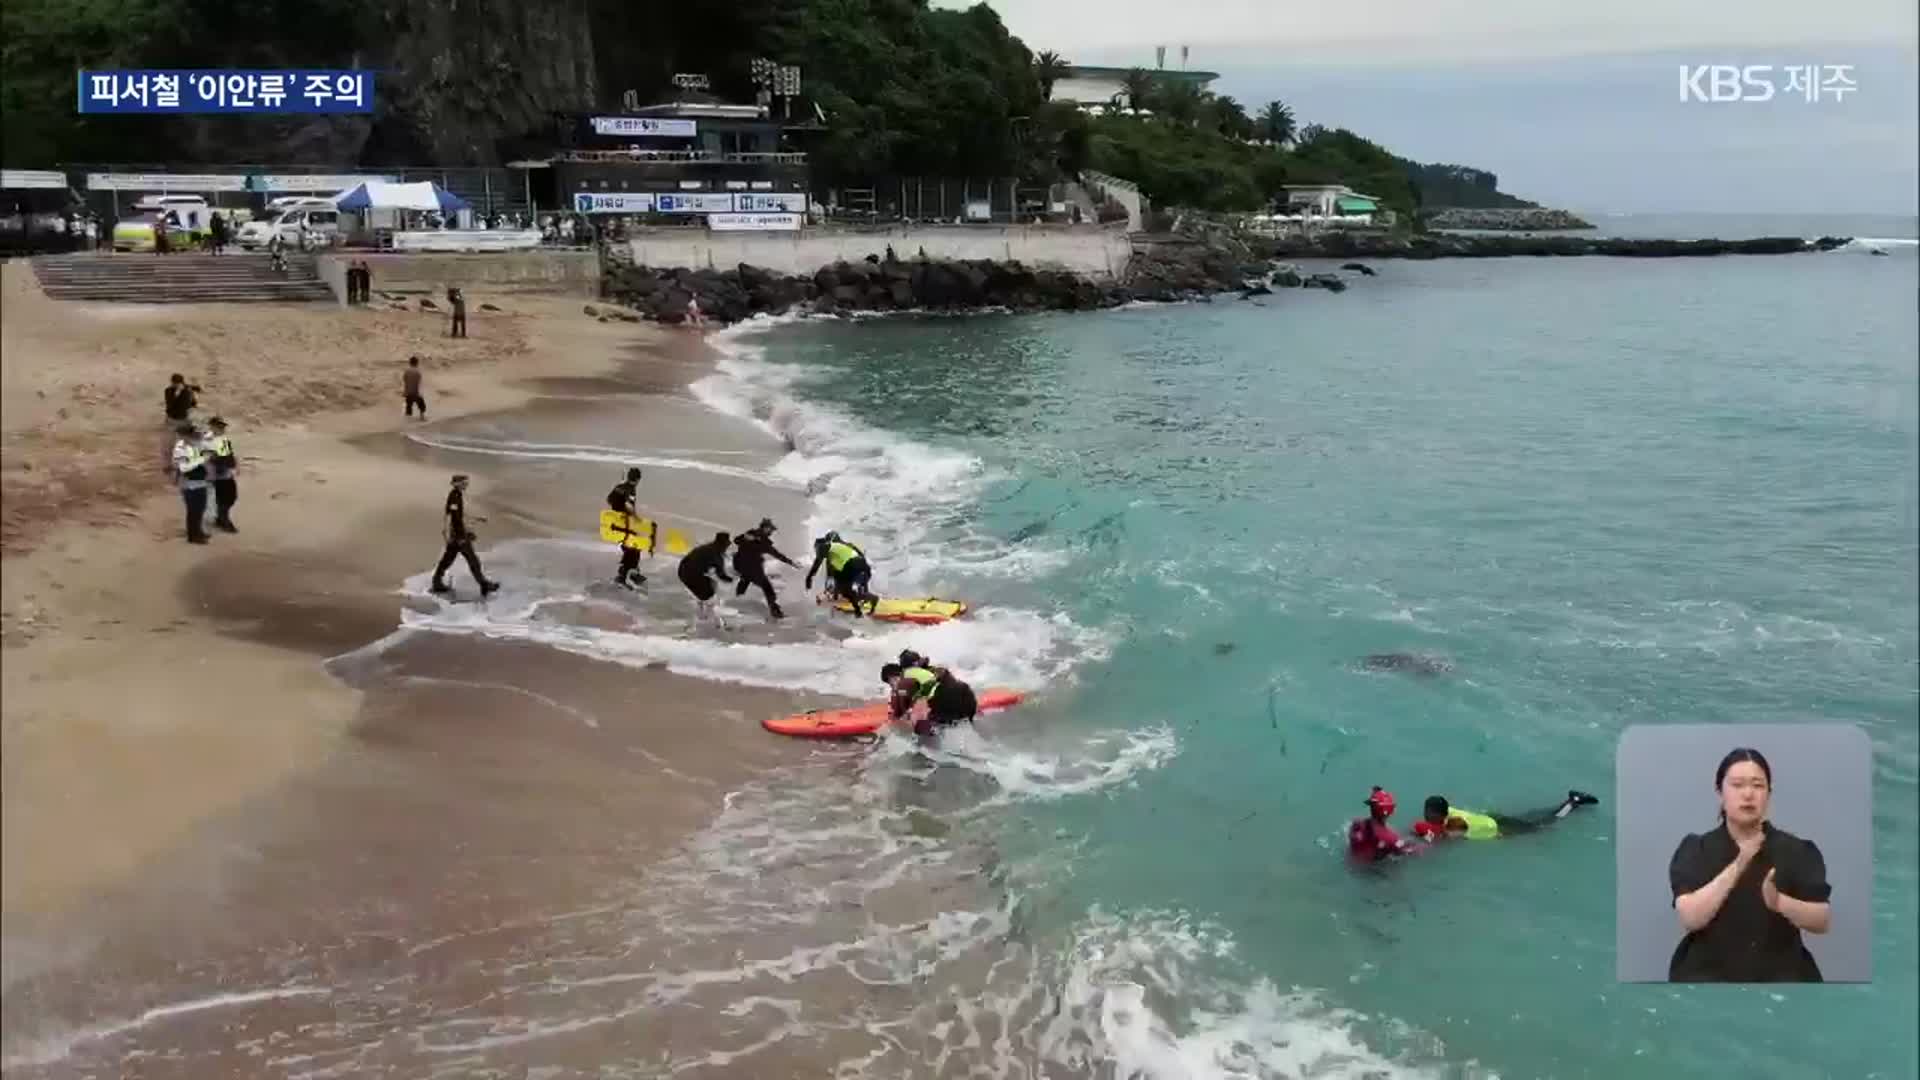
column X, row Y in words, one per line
column 1441, row 820
column 751, row 550
column 949, row 700
column 847, row 568
column 708, row 558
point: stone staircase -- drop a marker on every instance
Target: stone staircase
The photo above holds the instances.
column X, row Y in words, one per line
column 184, row 278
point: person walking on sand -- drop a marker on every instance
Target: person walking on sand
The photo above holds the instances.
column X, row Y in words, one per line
column 225, row 465
column 458, row 328
column 410, row 387
column 694, row 318
column 190, row 473
column 459, row 541
column 180, row 399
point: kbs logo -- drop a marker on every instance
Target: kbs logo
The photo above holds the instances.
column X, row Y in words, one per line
column 1757, row 82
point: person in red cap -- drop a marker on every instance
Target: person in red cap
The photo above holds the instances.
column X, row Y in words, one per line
column 1370, row 838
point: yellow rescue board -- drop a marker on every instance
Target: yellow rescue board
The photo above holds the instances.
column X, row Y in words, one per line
column 641, row 534
column 920, row 610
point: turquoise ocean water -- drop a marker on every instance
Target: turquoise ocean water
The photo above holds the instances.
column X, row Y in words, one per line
column 1609, row 492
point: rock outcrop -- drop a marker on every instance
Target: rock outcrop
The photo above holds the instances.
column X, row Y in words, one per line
column 1512, row 219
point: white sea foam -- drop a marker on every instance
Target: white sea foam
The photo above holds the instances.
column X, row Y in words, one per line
column 606, row 455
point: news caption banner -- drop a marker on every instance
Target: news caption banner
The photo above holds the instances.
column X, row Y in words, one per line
column 199, row 91
column 1762, row 82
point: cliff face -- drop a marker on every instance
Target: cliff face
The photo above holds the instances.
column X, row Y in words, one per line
column 454, row 79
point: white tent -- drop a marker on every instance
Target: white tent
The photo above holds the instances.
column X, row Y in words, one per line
column 381, row 195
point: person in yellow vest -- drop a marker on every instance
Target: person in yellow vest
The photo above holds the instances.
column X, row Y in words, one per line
column 847, row 568
column 1441, row 820
column 225, row 465
column 190, row 466
column 949, row 701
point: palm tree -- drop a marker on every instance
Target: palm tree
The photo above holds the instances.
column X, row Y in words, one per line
column 1049, row 67
column 1276, row 123
column 1182, row 103
column 1139, row 87
column 1230, row 118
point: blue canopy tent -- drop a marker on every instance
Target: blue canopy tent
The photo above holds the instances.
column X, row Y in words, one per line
column 380, row 195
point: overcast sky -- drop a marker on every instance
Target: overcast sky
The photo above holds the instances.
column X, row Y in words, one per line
column 1574, row 105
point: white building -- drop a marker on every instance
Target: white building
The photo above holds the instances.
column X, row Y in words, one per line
column 1329, row 200
column 1096, row 87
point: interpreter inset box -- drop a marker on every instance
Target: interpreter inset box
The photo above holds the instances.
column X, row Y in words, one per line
column 1744, row 853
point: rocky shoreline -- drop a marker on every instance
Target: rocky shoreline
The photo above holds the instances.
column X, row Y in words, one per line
column 1510, row 219
column 1164, row 269
column 1348, row 245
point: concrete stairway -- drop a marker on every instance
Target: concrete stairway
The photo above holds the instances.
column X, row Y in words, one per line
column 184, row 278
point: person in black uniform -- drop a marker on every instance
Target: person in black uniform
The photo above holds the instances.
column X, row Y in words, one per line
column 460, row 541
column 623, row 498
column 1745, row 891
column 750, row 553
column 708, row 558
column 226, row 483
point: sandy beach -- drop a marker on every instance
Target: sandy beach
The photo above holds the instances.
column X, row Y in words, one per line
column 194, row 794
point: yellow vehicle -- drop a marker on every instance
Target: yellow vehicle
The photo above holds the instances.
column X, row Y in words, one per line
column 187, row 220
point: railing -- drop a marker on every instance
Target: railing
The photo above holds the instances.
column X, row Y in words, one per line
column 685, row 157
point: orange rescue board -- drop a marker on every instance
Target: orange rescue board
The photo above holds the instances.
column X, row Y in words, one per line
column 867, row 719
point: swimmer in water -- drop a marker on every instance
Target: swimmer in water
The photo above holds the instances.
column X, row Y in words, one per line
column 949, row 700
column 1441, row 820
column 1370, row 839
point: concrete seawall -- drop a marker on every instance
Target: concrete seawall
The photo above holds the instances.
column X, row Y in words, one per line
column 1090, row 251
column 567, row 271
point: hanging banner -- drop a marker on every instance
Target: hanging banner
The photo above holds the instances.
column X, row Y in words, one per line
column 201, row 182
column 613, row 202
column 204, row 90
column 754, row 222
column 32, row 178
column 703, row 203
column 770, row 203
column 643, row 126
column 316, row 183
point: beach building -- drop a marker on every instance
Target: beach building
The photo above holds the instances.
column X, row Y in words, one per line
column 688, row 158
column 1329, row 200
column 1096, row 87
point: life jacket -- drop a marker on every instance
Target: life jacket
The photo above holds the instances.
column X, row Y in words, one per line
column 1479, row 826
column 839, row 554
column 927, row 681
column 191, row 462
column 221, row 450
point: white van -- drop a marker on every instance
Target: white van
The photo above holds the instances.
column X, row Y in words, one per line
column 286, row 218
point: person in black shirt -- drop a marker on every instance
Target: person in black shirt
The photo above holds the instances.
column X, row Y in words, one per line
column 226, row 482
column 458, row 328
column 749, row 561
column 708, row 558
column 623, row 499
column 1745, row 891
column 180, row 399
column 460, row 541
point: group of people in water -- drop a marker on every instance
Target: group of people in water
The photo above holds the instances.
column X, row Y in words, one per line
column 1371, row 839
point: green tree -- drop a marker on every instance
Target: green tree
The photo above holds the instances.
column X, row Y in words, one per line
column 1276, row 123
column 1049, row 67
column 1229, row 118
column 1138, row 84
column 1180, row 102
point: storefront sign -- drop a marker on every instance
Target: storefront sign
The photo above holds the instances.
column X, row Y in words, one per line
column 703, row 203
column 643, row 126
column 754, row 222
column 295, row 182
column 614, row 202
column 794, row 203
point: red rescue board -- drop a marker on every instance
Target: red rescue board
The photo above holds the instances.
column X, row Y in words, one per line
column 867, row 719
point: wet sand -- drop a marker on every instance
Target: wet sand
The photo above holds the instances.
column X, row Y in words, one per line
column 228, row 855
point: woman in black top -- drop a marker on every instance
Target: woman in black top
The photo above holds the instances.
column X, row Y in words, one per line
column 1746, row 890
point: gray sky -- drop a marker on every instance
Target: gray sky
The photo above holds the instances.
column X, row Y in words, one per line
column 1574, row 105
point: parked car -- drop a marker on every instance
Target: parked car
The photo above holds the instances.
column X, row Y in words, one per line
column 287, row 221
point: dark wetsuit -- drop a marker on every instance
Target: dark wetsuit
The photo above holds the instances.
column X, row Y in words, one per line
column 750, row 553
column 621, row 498
column 708, row 558
column 850, row 582
column 951, row 703
column 459, row 542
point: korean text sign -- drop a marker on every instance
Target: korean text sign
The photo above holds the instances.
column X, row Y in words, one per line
column 150, row 91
